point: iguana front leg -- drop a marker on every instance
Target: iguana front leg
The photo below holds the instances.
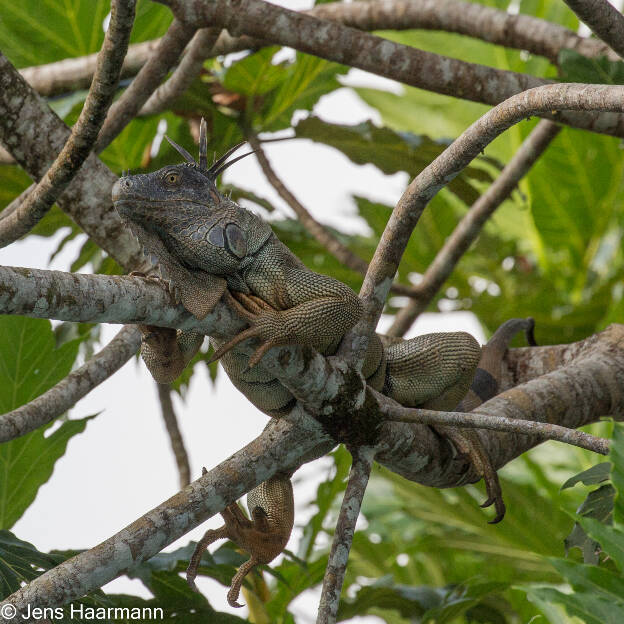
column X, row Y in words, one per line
column 317, row 323
column 264, row 537
column 166, row 352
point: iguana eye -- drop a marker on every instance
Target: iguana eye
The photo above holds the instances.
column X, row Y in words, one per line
column 171, row 178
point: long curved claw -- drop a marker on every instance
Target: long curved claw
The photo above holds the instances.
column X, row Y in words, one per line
column 251, row 332
column 210, row 536
column 237, row 581
column 260, row 351
column 494, row 492
column 234, row 299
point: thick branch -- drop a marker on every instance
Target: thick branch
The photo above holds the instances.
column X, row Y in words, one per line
column 606, row 22
column 570, row 385
column 589, row 385
column 175, row 435
column 67, row 392
column 72, row 74
column 34, row 135
column 406, row 64
column 343, row 537
column 523, row 32
column 471, row 224
column 84, row 132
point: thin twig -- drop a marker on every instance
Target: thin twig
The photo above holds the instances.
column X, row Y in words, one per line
column 190, row 66
column 85, row 130
column 175, row 435
column 343, row 537
column 67, row 392
column 146, row 82
column 34, row 135
column 474, row 420
column 606, row 22
column 471, row 224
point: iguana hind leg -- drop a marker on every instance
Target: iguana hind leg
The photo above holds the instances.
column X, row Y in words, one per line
column 264, row 537
column 435, row 371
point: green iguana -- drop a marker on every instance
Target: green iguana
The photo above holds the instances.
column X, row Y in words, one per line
column 208, row 247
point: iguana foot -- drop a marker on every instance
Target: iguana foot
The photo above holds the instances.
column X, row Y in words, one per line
column 264, row 321
column 469, row 444
column 256, row 536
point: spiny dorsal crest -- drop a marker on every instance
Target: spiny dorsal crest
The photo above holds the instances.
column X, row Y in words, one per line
column 218, row 166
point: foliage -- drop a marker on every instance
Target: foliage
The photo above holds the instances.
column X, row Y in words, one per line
column 552, row 251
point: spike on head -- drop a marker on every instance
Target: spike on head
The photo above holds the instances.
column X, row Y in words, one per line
column 220, row 166
column 203, row 145
column 181, row 151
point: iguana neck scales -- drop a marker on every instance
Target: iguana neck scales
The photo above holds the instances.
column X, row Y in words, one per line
column 207, row 247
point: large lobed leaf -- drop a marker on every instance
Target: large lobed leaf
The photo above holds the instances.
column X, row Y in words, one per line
column 30, row 364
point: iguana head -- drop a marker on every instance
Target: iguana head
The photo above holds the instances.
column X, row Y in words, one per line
column 176, row 205
column 174, row 194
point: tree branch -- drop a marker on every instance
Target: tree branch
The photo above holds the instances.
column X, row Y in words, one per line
column 605, row 21
column 443, row 169
column 570, row 385
column 406, row 64
column 523, row 32
column 589, row 385
column 34, row 135
column 175, row 435
column 476, row 420
column 279, row 448
column 191, row 64
column 67, row 392
column 147, row 80
column 84, row 132
column 343, row 537
column 471, row 224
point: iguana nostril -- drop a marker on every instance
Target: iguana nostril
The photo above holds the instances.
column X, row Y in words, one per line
column 122, row 186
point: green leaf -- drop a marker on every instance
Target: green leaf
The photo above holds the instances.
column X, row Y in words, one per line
column 591, row 579
column 616, row 456
column 611, row 539
column 29, row 362
column 575, row 67
column 29, row 365
column 591, row 609
column 255, row 74
column 14, row 181
column 388, row 150
column 27, row 463
column 20, row 562
column 410, row 602
column 596, row 474
column 306, row 80
column 34, row 32
column 599, row 506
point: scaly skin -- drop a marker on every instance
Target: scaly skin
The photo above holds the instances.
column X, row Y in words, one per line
column 207, row 247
